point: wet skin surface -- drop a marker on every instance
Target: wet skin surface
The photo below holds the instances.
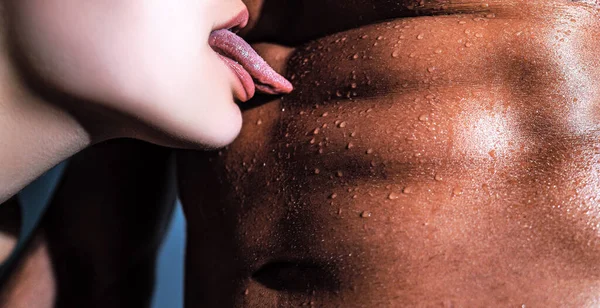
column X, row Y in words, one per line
column 427, row 161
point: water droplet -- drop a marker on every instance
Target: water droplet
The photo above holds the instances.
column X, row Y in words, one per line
column 412, row 55
column 342, row 124
column 325, row 114
column 353, row 134
column 365, row 214
column 480, row 35
column 438, row 177
column 312, row 141
column 379, row 38
column 431, row 69
column 353, row 85
column 259, row 122
column 333, row 196
column 364, row 36
column 457, row 192
column 316, row 131
column 339, row 174
column 393, row 196
column 462, row 22
column 395, row 54
column 369, row 151
column 317, row 170
column 355, row 56
column 246, row 292
column 424, row 118
column 420, row 36
column 468, row 44
column 350, row 145
column 438, row 51
column 407, row 190
column 354, row 196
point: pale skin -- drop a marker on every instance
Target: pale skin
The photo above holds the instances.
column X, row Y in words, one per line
column 74, row 73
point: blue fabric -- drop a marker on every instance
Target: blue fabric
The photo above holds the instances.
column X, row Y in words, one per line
column 168, row 291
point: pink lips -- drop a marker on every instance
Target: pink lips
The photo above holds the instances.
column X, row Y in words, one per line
column 252, row 71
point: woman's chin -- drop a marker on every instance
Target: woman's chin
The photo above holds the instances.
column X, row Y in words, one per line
column 220, row 127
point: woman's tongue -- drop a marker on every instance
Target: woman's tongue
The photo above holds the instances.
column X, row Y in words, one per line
column 231, row 46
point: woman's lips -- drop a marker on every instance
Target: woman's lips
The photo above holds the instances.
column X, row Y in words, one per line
column 252, row 71
column 238, row 22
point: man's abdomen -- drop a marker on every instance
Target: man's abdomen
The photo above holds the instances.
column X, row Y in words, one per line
column 435, row 161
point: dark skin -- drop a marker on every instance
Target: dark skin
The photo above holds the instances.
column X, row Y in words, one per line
column 455, row 162
column 434, row 161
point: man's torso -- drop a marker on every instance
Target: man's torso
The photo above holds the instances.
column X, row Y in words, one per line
column 434, row 160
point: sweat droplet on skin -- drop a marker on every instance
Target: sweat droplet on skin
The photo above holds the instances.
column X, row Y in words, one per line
column 365, row 214
column 457, row 192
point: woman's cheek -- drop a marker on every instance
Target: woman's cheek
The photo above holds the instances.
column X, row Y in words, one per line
column 71, row 47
